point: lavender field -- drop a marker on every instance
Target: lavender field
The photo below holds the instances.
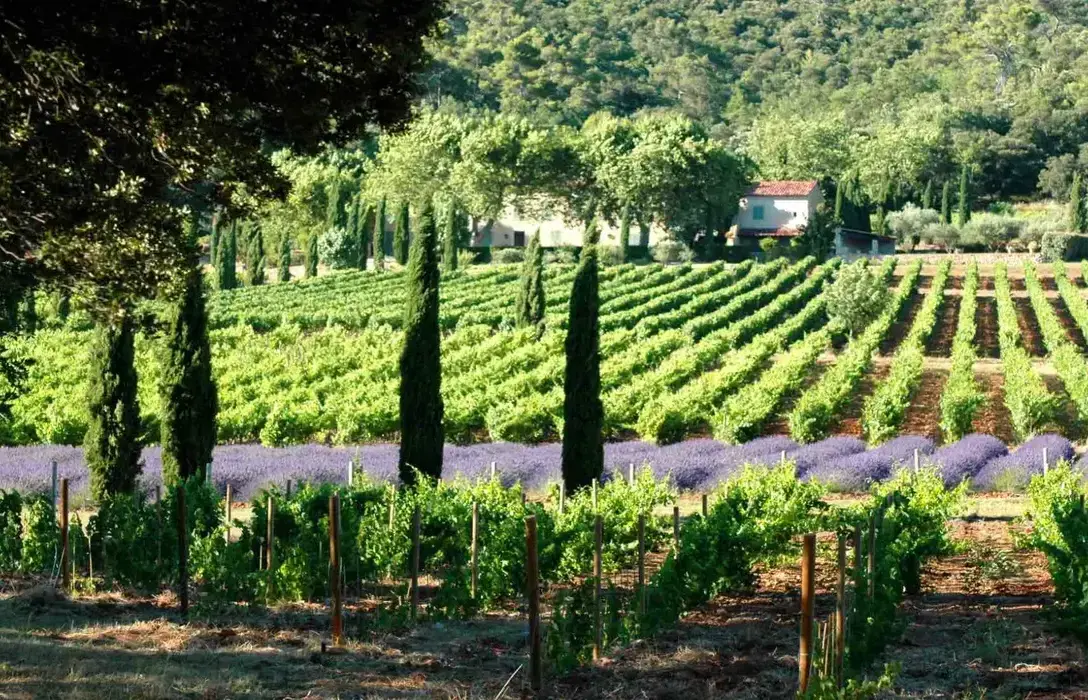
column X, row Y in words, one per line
column 844, row 463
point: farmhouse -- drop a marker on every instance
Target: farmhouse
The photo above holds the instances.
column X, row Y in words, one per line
column 781, row 209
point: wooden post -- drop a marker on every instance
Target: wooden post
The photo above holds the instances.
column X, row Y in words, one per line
column 532, row 573
column 392, row 507
column 158, row 494
column 782, row 459
column 183, row 552
column 642, row 564
column 598, row 537
column 1046, row 462
column 158, row 555
column 492, row 471
column 676, row 530
column 808, row 607
column 334, row 569
column 705, row 509
column 631, row 473
column 288, row 489
column 840, row 613
column 871, row 570
column 227, row 509
column 562, row 496
column 475, row 546
column 270, row 552
column 351, row 472
column 917, row 459
column 65, row 568
column 415, row 563
column 826, row 640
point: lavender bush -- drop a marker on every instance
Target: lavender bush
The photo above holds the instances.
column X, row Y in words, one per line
column 1013, row 472
column 858, row 471
column 964, row 459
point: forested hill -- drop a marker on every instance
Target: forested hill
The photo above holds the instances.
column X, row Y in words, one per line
column 1013, row 73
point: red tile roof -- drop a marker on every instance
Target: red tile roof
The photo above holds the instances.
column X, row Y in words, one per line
column 782, row 188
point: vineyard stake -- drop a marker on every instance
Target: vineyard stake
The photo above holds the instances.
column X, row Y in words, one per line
column 594, row 495
column 642, row 564
column 158, row 494
column 158, row 540
column 351, row 472
column 872, row 558
column 782, row 459
column 829, row 633
column 288, row 488
column 226, row 509
column 271, row 552
column 1046, row 462
column 917, row 461
column 631, row 473
column 475, row 546
column 183, row 552
column 415, row 563
column 704, row 505
column 808, row 607
column 492, row 471
column 65, row 570
column 532, row 571
column 392, row 506
column 676, row 530
column 840, row 613
column 598, row 537
column 334, row 569
column 53, row 491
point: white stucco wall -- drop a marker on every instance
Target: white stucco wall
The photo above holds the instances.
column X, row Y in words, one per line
column 554, row 232
column 778, row 212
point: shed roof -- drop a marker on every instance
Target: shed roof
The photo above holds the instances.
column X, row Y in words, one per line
column 782, row 188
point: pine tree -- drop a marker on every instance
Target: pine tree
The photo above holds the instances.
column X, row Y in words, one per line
column 227, row 262
column 1077, row 219
column 400, row 235
column 111, row 446
column 449, row 241
column 285, row 259
column 965, row 198
column 311, row 255
column 421, row 409
column 946, row 203
column 379, row 236
column 927, row 195
column 583, row 413
column 189, row 398
column 256, row 261
column 625, row 233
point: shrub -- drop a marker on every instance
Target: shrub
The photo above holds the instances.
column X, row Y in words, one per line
column 611, row 255
column 1053, row 246
column 910, row 223
column 991, row 231
column 338, row 248
column 509, row 256
column 671, row 252
column 856, row 296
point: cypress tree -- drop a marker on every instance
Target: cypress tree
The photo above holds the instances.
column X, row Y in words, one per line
column 213, row 240
column 1076, row 206
column 379, row 236
column 189, row 398
column 530, row 301
column 285, row 259
column 400, row 235
column 965, row 198
column 625, row 233
column 335, row 214
column 227, row 262
column 927, row 195
column 311, row 255
column 362, row 236
column 64, row 305
column 583, row 413
column 421, row 432
column 255, row 261
column 111, row 445
column 946, row 203
column 839, row 191
column 883, row 207
column 449, row 242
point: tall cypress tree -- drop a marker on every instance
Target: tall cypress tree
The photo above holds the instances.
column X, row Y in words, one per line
column 839, row 190
column 285, row 258
column 111, row 445
column 213, row 240
column 227, row 262
column 421, row 409
column 965, row 198
column 530, row 300
column 335, row 214
column 189, row 398
column 946, row 203
column 625, row 232
column 449, row 241
column 255, row 260
column 583, row 412
column 400, row 235
column 1077, row 219
column 927, row 195
column 379, row 236
column 362, row 236
column 311, row 255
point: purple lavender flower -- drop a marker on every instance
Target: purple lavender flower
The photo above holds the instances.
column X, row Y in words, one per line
column 833, row 449
column 964, row 459
column 858, row 471
column 1013, row 472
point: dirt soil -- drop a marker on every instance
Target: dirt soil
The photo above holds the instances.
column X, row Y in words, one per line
column 902, row 324
column 850, row 416
column 986, row 328
column 993, row 418
column 924, row 415
column 940, row 341
column 1030, row 335
column 1072, row 330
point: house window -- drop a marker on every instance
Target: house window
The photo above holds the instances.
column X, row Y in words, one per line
column 757, row 213
column 519, row 238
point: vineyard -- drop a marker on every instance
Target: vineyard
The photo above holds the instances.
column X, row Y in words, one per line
column 732, row 352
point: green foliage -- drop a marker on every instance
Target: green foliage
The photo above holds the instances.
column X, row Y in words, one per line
column 310, row 269
column 11, row 526
column 1078, row 219
column 189, row 397
column 946, row 203
column 964, row 206
column 450, row 239
column 401, row 234
column 227, row 258
column 583, row 444
column 256, row 262
column 421, row 405
column 855, row 296
column 111, row 445
column 379, row 235
column 962, row 397
column 530, row 301
column 39, row 536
